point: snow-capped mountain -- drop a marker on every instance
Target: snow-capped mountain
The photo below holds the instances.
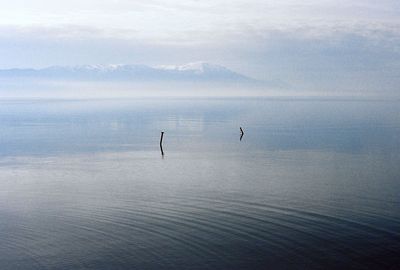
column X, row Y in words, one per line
column 197, row 71
column 197, row 68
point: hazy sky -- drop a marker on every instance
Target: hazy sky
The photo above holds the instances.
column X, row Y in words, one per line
column 311, row 43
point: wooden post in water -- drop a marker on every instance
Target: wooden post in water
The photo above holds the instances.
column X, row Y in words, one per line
column 241, row 133
column 161, row 139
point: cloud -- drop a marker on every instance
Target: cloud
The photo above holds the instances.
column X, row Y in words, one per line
column 312, row 43
column 173, row 19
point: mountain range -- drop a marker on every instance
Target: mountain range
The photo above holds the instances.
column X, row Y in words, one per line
column 197, row 71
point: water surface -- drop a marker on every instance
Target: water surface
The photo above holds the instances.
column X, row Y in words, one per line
column 313, row 184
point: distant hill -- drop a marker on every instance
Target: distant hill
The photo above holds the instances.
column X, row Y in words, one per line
column 198, row 71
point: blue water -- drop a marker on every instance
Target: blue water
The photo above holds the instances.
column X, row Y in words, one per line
column 313, row 184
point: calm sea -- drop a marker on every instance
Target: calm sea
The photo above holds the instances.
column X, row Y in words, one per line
column 312, row 184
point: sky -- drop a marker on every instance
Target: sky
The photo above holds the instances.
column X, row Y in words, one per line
column 309, row 44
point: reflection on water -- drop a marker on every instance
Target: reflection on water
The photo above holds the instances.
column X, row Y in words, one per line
column 311, row 185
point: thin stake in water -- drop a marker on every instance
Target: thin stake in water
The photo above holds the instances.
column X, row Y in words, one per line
column 161, row 139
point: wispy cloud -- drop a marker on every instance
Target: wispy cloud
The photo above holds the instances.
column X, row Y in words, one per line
column 304, row 42
column 179, row 19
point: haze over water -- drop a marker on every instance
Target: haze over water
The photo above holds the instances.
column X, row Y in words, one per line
column 313, row 184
